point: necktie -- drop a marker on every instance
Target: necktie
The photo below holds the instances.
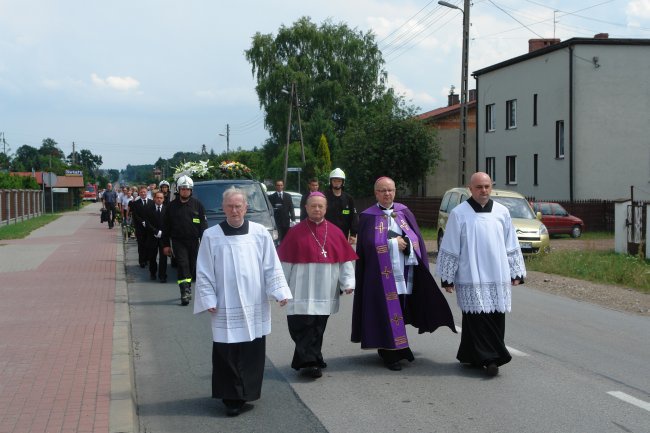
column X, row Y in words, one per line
column 158, row 209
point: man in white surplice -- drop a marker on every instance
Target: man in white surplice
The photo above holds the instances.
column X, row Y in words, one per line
column 480, row 257
column 237, row 272
column 318, row 263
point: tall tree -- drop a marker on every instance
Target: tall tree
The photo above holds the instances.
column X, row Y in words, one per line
column 404, row 149
column 324, row 164
column 336, row 71
column 26, row 159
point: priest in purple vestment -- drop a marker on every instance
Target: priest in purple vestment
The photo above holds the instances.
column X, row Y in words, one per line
column 393, row 284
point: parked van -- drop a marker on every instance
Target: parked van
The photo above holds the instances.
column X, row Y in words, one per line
column 210, row 194
column 532, row 234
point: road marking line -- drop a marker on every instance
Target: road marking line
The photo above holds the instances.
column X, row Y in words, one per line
column 510, row 349
column 629, row 399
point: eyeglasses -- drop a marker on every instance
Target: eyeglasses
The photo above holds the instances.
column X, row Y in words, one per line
column 384, row 191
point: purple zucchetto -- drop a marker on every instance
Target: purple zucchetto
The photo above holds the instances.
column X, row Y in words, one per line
column 316, row 194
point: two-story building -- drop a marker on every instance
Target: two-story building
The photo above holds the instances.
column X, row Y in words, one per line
column 568, row 120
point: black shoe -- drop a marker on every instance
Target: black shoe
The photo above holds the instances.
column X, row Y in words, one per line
column 142, row 265
column 395, row 366
column 152, row 277
column 315, row 372
column 322, row 364
column 163, row 279
column 234, row 407
column 492, row 369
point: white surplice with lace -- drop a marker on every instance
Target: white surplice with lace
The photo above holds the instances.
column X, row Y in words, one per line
column 480, row 255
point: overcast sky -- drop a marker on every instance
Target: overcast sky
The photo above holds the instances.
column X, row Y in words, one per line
column 140, row 79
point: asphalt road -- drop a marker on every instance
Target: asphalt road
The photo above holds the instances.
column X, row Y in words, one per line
column 576, row 367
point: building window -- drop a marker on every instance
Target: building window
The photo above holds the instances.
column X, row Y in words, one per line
column 490, row 167
column 490, row 120
column 535, row 109
column 511, row 170
column 511, row 114
column 535, row 160
column 559, row 139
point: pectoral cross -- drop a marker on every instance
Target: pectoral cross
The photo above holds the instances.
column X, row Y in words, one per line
column 323, row 252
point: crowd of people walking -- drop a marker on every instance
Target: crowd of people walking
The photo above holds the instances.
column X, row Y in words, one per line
column 378, row 256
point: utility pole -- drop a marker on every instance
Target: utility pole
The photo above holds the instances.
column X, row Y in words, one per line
column 227, row 135
column 293, row 97
column 74, row 157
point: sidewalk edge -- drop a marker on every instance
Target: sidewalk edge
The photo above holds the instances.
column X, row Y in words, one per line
column 123, row 413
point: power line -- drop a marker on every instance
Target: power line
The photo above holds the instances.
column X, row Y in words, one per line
column 507, row 13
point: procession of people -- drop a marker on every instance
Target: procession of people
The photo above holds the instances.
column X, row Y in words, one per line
column 377, row 256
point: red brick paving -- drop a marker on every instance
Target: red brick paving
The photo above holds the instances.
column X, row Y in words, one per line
column 56, row 330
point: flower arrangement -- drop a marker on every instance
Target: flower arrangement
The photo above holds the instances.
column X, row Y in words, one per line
column 202, row 170
column 192, row 169
column 234, row 170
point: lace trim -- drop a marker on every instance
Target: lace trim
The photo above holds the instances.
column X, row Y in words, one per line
column 447, row 265
column 516, row 263
column 484, row 297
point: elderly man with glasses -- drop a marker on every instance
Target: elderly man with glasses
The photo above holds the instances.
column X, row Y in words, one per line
column 393, row 284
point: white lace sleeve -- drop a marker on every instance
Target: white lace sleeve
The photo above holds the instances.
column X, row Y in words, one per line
column 516, row 264
column 447, row 265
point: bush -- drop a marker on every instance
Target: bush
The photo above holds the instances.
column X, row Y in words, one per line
column 9, row 181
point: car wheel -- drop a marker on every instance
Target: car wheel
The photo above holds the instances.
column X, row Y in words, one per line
column 439, row 239
column 576, row 231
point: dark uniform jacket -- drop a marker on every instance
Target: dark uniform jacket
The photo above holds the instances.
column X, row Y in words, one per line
column 155, row 222
column 282, row 209
column 137, row 208
column 184, row 220
column 342, row 213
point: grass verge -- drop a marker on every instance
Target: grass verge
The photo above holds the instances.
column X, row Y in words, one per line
column 598, row 266
column 22, row 229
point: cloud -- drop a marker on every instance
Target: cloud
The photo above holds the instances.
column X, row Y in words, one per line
column 637, row 11
column 123, row 84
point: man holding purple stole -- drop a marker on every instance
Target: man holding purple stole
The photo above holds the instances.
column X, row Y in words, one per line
column 393, row 284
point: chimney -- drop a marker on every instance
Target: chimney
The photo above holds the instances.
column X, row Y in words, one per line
column 601, row 36
column 453, row 99
column 536, row 44
column 472, row 95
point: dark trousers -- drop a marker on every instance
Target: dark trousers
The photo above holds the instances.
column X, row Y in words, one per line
column 307, row 332
column 160, row 267
column 110, row 207
column 141, row 238
column 482, row 339
column 282, row 232
column 185, row 251
column 238, row 369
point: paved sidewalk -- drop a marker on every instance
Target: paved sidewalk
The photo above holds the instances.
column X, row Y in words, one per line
column 64, row 330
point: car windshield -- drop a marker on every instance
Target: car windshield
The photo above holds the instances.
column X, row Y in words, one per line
column 518, row 207
column 295, row 198
column 211, row 196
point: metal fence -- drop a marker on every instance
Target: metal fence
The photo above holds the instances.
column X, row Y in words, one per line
column 17, row 205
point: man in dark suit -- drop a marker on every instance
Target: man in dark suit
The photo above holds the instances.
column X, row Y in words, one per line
column 282, row 209
column 154, row 216
column 137, row 210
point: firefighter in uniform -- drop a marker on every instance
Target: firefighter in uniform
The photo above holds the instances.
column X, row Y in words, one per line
column 183, row 226
column 340, row 206
column 164, row 187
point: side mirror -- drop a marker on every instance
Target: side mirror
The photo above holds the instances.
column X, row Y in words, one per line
column 539, row 216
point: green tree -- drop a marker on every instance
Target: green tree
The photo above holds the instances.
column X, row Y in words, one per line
column 404, row 149
column 26, row 159
column 324, row 162
column 88, row 162
column 336, row 70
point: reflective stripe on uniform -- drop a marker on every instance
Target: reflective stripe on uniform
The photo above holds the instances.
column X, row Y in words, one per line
column 186, row 280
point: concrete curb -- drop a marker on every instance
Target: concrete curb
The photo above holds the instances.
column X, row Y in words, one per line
column 123, row 413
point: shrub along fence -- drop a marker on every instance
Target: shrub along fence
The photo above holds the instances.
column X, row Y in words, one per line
column 17, row 205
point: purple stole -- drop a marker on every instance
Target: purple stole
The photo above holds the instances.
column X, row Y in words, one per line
column 394, row 308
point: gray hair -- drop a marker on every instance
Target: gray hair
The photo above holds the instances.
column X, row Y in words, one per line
column 235, row 191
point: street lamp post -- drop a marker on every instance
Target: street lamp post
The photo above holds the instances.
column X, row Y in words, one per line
column 462, row 148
